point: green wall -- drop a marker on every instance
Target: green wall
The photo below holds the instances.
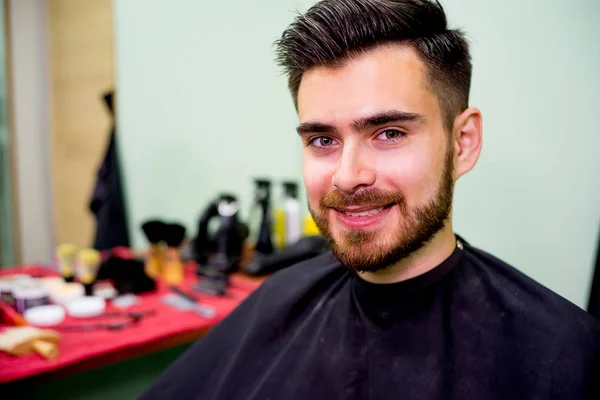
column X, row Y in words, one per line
column 534, row 199
column 6, row 218
column 202, row 106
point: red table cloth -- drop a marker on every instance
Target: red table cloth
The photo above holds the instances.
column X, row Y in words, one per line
column 165, row 322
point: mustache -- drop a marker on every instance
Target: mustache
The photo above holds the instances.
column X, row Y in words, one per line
column 364, row 198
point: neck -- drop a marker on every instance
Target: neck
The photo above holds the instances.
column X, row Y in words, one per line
column 421, row 261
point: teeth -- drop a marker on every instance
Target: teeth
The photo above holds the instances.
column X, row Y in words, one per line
column 366, row 213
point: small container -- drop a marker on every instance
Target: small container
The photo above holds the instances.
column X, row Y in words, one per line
column 67, row 292
column 105, row 289
column 51, row 282
column 17, row 281
column 16, row 277
column 85, row 307
column 26, row 298
column 88, row 262
column 65, row 257
column 6, row 295
column 48, row 315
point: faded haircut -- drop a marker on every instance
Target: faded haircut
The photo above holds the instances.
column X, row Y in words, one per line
column 334, row 31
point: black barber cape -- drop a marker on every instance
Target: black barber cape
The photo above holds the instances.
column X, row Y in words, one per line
column 471, row 328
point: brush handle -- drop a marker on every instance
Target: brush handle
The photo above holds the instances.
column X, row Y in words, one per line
column 153, row 266
column 172, row 267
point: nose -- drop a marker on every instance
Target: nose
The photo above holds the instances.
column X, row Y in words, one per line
column 355, row 170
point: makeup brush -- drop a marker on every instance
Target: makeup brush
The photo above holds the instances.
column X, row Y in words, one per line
column 155, row 232
column 172, row 272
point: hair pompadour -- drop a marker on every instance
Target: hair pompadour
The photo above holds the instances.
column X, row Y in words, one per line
column 334, row 31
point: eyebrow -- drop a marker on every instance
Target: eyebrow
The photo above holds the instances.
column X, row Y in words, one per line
column 385, row 118
column 370, row 121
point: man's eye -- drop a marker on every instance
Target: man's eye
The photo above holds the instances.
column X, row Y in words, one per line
column 390, row 135
column 322, row 141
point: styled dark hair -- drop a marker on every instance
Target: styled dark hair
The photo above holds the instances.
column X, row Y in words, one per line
column 333, row 31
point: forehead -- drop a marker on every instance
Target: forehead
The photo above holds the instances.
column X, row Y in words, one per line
column 387, row 77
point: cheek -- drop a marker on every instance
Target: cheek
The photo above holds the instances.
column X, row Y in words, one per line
column 317, row 179
column 417, row 178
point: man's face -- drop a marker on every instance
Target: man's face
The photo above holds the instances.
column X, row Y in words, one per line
column 377, row 162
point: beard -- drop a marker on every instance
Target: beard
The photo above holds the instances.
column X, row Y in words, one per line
column 371, row 251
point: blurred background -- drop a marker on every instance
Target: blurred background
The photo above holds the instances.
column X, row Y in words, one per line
column 201, row 109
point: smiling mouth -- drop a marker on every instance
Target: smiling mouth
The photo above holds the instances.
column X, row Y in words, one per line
column 363, row 211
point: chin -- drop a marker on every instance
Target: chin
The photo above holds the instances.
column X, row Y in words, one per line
column 364, row 250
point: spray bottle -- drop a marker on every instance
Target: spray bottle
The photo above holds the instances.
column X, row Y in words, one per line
column 291, row 206
column 260, row 222
column 260, row 217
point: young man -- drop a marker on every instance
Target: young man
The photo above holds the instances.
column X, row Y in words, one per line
column 400, row 308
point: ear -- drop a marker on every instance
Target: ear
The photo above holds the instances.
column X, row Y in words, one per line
column 467, row 141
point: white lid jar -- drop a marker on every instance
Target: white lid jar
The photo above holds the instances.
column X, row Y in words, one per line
column 29, row 297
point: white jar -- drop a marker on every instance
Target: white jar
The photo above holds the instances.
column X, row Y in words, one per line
column 29, row 297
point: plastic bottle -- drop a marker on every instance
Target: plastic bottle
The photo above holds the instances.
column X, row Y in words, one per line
column 292, row 213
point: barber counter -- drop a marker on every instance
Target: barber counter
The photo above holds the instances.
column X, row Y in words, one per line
column 118, row 352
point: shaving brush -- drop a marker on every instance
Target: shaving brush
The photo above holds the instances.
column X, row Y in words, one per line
column 155, row 232
column 172, row 272
column 65, row 255
column 88, row 262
